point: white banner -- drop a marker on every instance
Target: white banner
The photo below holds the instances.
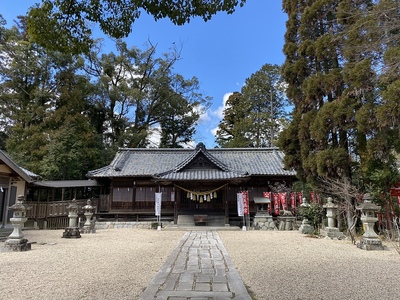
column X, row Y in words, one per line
column 172, row 196
column 158, row 204
column 240, row 206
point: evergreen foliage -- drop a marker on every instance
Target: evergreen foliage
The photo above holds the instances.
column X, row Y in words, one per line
column 341, row 78
column 63, row 114
column 71, row 20
column 253, row 117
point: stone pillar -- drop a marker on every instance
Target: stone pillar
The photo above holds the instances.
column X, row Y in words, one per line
column 16, row 240
column 331, row 231
column 88, row 227
column 369, row 240
column 72, row 231
column 305, row 226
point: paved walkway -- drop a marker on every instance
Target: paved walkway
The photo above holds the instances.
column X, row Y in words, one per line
column 199, row 268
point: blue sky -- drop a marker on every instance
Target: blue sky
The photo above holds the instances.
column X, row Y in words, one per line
column 221, row 53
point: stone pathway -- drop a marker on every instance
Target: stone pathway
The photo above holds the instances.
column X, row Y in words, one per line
column 199, row 268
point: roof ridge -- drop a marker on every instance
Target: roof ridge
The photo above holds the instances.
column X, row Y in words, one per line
column 24, row 173
column 202, row 149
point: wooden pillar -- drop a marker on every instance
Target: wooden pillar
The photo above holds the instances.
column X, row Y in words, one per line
column 226, row 203
column 133, row 207
column 177, row 196
column 39, row 195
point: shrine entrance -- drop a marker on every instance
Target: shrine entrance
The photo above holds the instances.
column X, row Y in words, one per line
column 191, row 204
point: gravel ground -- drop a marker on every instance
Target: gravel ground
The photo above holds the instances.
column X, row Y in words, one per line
column 288, row 265
column 119, row 263
column 110, row 264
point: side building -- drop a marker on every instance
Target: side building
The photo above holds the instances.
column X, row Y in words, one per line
column 14, row 181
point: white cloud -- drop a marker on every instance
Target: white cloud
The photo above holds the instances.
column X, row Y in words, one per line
column 204, row 118
column 154, row 136
column 208, row 123
column 219, row 112
column 214, row 131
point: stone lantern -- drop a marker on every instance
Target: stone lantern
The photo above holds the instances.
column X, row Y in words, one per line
column 331, row 231
column 88, row 212
column 305, row 226
column 369, row 240
column 16, row 240
column 72, row 231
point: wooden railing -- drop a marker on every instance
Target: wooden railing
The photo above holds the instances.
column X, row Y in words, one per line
column 41, row 210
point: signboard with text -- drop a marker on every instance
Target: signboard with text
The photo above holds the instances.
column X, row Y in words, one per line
column 158, row 197
column 240, row 204
column 245, row 196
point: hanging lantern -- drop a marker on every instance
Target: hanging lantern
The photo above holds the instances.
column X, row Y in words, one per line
column 215, row 194
column 188, row 195
column 208, row 198
column 201, row 199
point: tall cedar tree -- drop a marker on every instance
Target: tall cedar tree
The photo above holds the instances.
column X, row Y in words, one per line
column 25, row 96
column 319, row 140
column 44, row 105
column 253, row 117
column 342, row 76
column 372, row 74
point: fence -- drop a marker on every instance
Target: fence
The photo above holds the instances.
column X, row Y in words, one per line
column 43, row 210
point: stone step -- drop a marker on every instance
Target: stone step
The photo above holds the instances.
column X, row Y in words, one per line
column 185, row 220
column 212, row 220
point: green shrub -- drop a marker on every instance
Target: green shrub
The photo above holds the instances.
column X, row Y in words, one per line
column 312, row 213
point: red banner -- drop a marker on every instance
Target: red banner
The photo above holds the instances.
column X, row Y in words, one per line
column 245, row 202
column 300, row 197
column 395, row 192
column 398, row 200
column 282, row 197
column 317, row 198
column 293, row 203
column 277, row 208
column 359, row 198
column 312, row 197
column 268, row 195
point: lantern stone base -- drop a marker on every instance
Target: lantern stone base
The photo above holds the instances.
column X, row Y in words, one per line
column 89, row 229
column 17, row 245
column 370, row 244
column 71, row 233
column 287, row 223
column 305, row 227
column 264, row 222
column 331, row 232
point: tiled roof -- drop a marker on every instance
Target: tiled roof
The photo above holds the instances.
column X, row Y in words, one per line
column 201, row 149
column 233, row 162
column 67, row 183
column 200, row 175
column 23, row 173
